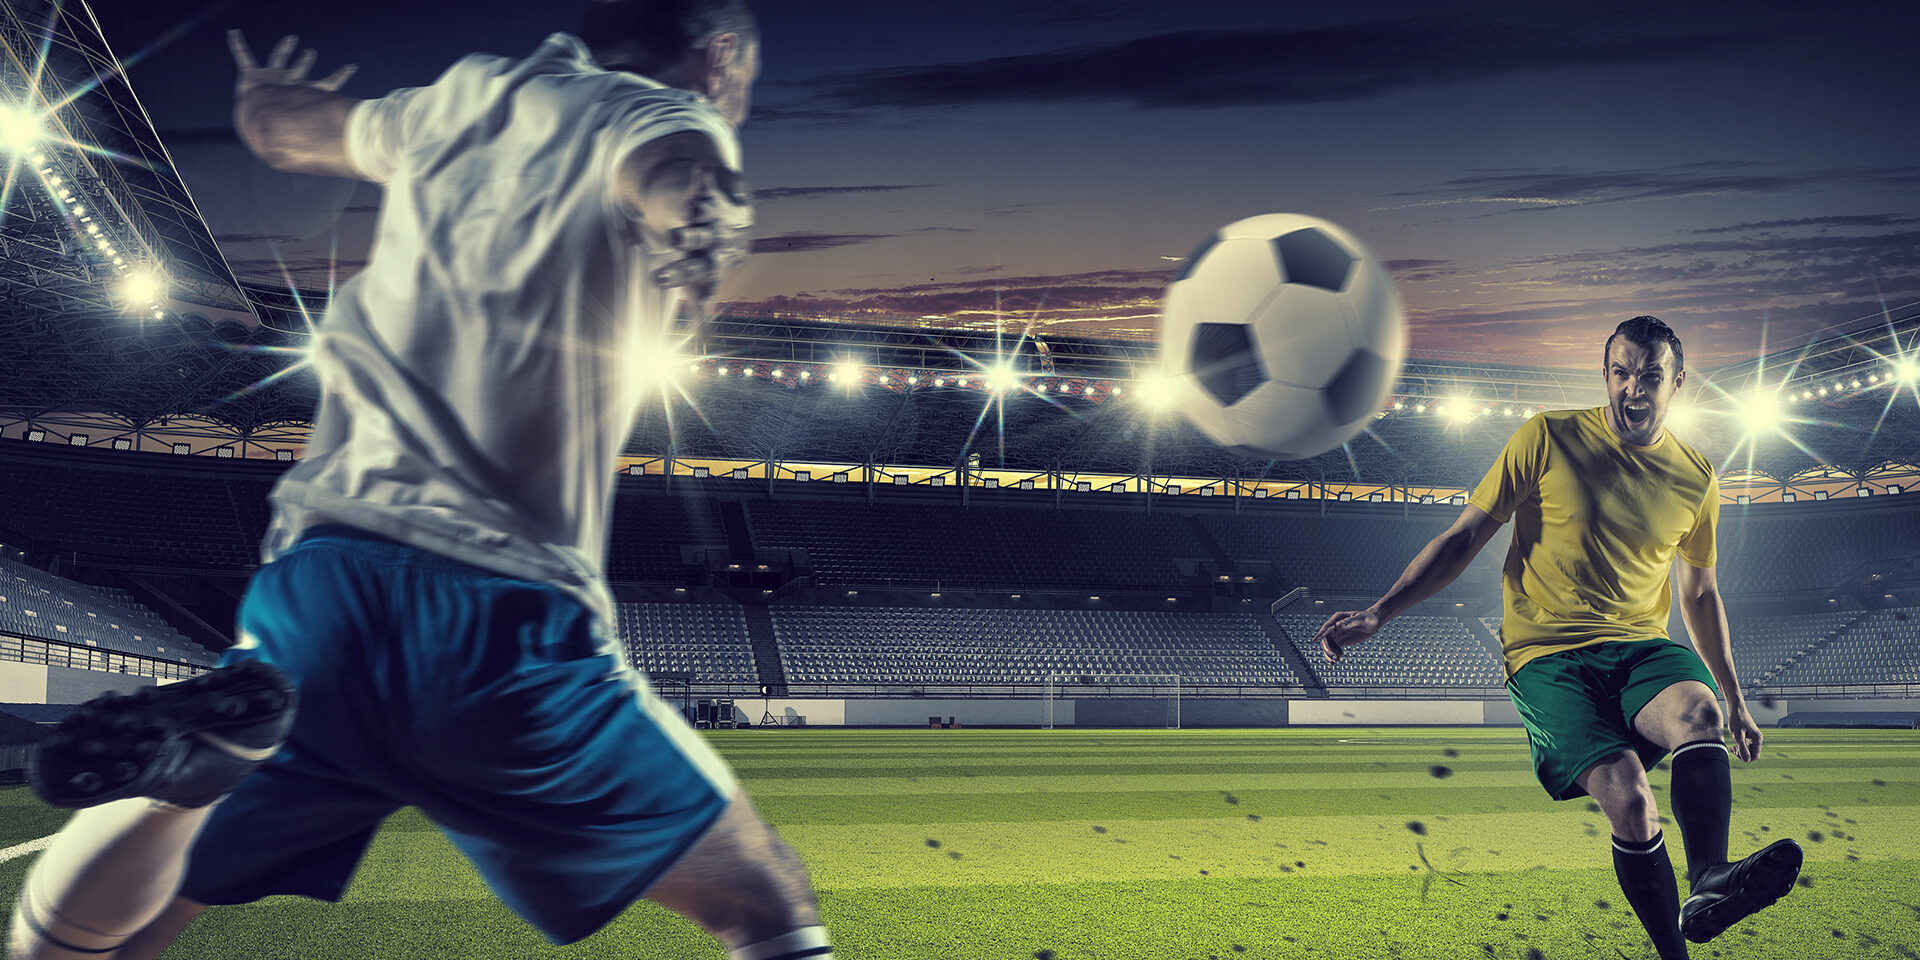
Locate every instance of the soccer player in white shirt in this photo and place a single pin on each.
(432, 593)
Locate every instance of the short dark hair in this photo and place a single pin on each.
(1646, 331)
(651, 37)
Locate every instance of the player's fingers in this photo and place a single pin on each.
(693, 237)
(301, 66)
(338, 78)
(237, 43)
(682, 273)
(277, 59)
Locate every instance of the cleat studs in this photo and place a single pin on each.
(91, 748)
(146, 748)
(124, 771)
(123, 724)
(230, 707)
(86, 781)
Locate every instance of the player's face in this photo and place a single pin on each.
(1641, 384)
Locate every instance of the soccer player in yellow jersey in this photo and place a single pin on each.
(1602, 501)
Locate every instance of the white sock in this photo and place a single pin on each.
(806, 943)
(108, 874)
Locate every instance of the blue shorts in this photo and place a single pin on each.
(492, 704)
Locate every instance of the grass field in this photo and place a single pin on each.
(1405, 843)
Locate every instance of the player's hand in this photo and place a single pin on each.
(716, 238)
(1344, 629)
(1746, 734)
(277, 72)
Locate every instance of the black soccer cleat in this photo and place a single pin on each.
(187, 743)
(1732, 892)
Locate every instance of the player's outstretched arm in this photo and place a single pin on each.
(289, 122)
(1438, 564)
(1706, 617)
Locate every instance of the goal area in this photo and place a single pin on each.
(1161, 687)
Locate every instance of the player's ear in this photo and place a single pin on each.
(720, 70)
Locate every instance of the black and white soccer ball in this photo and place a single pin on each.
(1282, 335)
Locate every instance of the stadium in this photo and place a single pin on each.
(1020, 661)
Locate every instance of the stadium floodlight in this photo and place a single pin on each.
(1908, 370)
(1001, 377)
(847, 370)
(143, 288)
(1760, 411)
(912, 380)
(939, 381)
(20, 129)
(658, 364)
(1155, 389)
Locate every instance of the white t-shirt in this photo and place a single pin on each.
(475, 377)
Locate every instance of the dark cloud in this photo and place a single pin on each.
(944, 230)
(1536, 188)
(1861, 220)
(194, 136)
(255, 238)
(267, 269)
(361, 208)
(1012, 209)
(1098, 298)
(810, 193)
(1416, 271)
(1240, 67)
(804, 242)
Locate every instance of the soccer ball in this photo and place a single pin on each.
(1282, 334)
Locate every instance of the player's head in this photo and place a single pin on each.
(1643, 367)
(711, 46)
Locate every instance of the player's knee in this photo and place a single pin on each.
(1634, 816)
(1704, 719)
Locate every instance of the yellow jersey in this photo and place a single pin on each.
(1597, 522)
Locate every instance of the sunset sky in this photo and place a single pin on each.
(1532, 172)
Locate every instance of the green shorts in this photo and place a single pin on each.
(1579, 705)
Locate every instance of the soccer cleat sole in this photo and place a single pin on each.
(119, 746)
(1767, 878)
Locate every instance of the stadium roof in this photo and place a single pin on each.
(98, 192)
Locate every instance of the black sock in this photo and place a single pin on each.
(1646, 877)
(1702, 803)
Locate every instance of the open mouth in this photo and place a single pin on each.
(1637, 413)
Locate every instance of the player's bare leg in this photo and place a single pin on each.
(112, 870)
(1640, 861)
(145, 770)
(1686, 719)
(748, 888)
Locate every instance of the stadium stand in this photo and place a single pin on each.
(1797, 550)
(649, 530)
(182, 515)
(38, 604)
(937, 645)
(1344, 552)
(704, 641)
(855, 543)
(1883, 647)
(1411, 651)
(1765, 645)
(154, 519)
